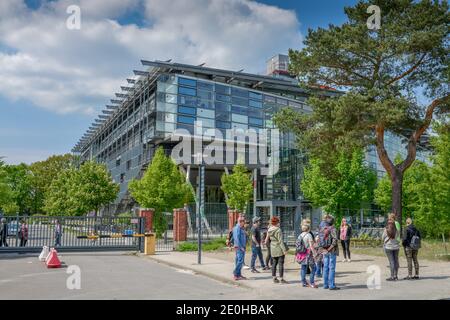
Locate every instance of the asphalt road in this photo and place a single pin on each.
(106, 275)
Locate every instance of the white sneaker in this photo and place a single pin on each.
(345, 260)
(246, 267)
(349, 260)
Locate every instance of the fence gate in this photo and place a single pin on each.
(114, 233)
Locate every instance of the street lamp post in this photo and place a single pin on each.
(201, 204)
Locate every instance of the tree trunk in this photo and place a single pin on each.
(397, 188)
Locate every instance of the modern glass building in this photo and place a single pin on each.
(170, 96)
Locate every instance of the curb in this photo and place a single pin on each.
(201, 272)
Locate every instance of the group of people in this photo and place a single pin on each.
(317, 252)
(22, 233)
(392, 241)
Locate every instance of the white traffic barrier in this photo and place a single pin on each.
(44, 253)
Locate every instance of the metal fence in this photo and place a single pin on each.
(42, 232)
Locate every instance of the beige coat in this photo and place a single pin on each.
(277, 246)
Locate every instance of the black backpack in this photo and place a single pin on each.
(415, 241)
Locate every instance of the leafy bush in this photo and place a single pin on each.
(212, 245)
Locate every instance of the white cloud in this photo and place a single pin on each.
(78, 70)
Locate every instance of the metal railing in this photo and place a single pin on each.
(42, 231)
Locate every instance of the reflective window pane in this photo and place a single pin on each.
(186, 120)
(222, 89)
(187, 110)
(187, 82)
(187, 91)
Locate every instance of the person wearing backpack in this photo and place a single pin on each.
(328, 244)
(411, 243)
(304, 255)
(278, 250)
(391, 248)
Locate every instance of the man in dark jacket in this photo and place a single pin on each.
(3, 233)
(410, 252)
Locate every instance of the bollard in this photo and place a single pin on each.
(150, 244)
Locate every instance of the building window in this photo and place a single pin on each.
(239, 110)
(186, 120)
(223, 125)
(221, 97)
(122, 177)
(187, 101)
(205, 86)
(117, 162)
(187, 82)
(187, 91)
(128, 164)
(239, 101)
(255, 121)
(204, 95)
(256, 113)
(255, 104)
(222, 89)
(187, 110)
(254, 95)
(239, 92)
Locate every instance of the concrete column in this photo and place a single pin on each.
(180, 225)
(148, 215)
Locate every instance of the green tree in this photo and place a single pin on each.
(7, 203)
(18, 177)
(162, 188)
(413, 189)
(59, 197)
(43, 174)
(383, 72)
(79, 191)
(352, 184)
(238, 187)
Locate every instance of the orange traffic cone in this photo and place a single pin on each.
(53, 260)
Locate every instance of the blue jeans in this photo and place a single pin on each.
(329, 269)
(257, 252)
(318, 268)
(311, 275)
(239, 262)
(58, 240)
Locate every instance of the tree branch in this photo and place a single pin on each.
(415, 136)
(404, 74)
(382, 153)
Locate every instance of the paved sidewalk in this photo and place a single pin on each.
(351, 277)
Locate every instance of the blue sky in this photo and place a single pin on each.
(55, 81)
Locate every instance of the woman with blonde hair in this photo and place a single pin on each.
(345, 234)
(305, 255)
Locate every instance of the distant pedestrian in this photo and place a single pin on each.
(23, 233)
(278, 250)
(411, 243)
(256, 245)
(328, 243)
(3, 232)
(391, 248)
(239, 241)
(345, 234)
(58, 233)
(305, 253)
